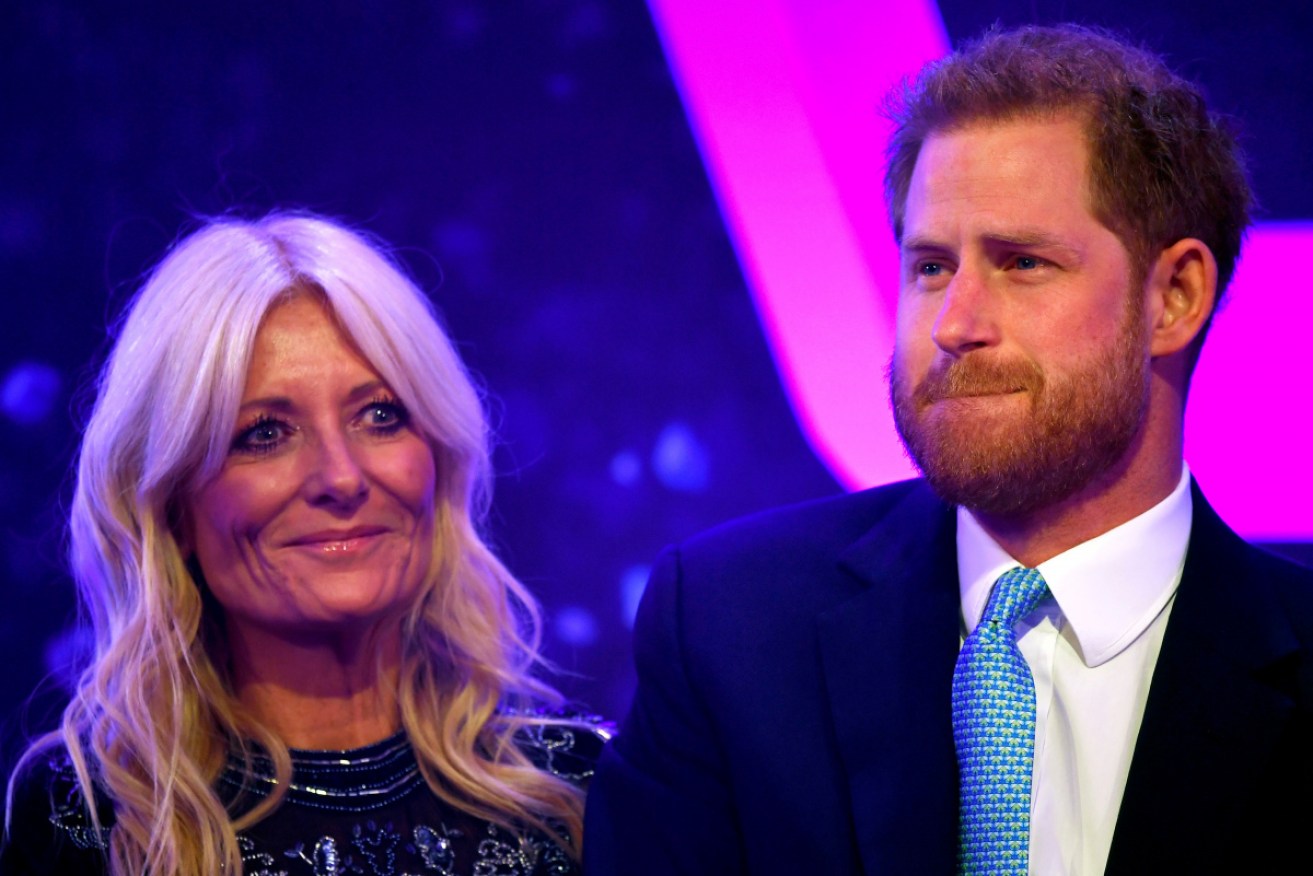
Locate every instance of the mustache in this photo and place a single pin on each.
(963, 378)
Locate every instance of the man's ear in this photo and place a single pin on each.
(1181, 292)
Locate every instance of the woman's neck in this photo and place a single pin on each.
(329, 693)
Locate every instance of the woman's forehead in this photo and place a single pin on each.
(301, 340)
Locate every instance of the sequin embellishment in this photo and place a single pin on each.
(368, 812)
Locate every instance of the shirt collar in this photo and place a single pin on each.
(1109, 589)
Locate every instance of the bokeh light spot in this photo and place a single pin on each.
(680, 459)
(67, 652)
(626, 468)
(29, 392)
(575, 625)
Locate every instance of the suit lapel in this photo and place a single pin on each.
(887, 656)
(1216, 708)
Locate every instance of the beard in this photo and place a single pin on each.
(1012, 463)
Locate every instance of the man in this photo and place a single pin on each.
(810, 686)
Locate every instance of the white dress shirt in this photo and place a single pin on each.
(1091, 649)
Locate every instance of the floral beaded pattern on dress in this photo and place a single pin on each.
(377, 850)
(69, 809)
(368, 812)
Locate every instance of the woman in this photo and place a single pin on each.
(306, 659)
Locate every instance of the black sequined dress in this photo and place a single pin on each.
(363, 812)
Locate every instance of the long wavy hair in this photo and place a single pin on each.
(153, 717)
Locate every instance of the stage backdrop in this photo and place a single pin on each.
(535, 166)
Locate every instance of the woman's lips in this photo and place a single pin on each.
(339, 542)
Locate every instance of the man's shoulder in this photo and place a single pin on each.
(1280, 568)
(1288, 580)
(1214, 542)
(1219, 555)
(829, 523)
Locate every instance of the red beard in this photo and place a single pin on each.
(1010, 457)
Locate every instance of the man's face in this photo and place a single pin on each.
(1019, 373)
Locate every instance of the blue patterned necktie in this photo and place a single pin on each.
(994, 728)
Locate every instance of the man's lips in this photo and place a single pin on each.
(974, 378)
(974, 393)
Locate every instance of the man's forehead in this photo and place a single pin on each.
(1080, 113)
(1071, 128)
(1013, 178)
(1067, 125)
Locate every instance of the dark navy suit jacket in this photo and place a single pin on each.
(793, 705)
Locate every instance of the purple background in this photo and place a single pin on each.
(533, 165)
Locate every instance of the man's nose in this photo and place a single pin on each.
(967, 317)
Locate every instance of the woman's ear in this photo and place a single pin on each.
(1181, 294)
(194, 569)
(180, 526)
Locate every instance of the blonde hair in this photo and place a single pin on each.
(153, 718)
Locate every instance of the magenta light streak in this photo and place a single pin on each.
(782, 96)
(1248, 422)
(782, 99)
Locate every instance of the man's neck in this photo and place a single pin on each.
(1109, 502)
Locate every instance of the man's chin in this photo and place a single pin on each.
(982, 481)
(993, 494)
(977, 425)
(986, 457)
(1006, 473)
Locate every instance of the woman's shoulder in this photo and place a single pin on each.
(49, 828)
(565, 743)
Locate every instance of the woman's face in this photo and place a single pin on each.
(321, 519)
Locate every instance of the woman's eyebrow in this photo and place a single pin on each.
(283, 403)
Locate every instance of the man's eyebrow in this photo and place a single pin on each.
(922, 244)
(1029, 237)
(1022, 237)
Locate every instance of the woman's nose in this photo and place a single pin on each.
(336, 478)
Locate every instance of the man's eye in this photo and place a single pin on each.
(1027, 263)
(930, 269)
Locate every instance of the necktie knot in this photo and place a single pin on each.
(1015, 595)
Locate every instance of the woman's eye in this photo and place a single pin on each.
(260, 437)
(385, 416)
